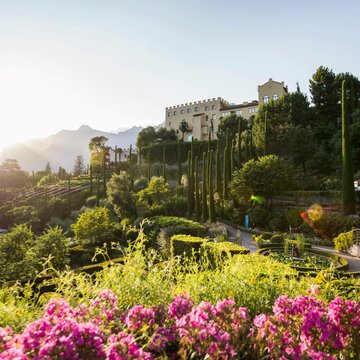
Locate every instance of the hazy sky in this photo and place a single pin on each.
(115, 64)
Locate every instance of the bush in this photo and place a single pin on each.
(132, 234)
(343, 241)
(293, 217)
(180, 225)
(185, 245)
(258, 216)
(140, 184)
(91, 201)
(331, 225)
(277, 239)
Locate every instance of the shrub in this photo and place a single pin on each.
(140, 184)
(277, 239)
(343, 241)
(93, 225)
(293, 217)
(132, 234)
(180, 225)
(216, 252)
(185, 245)
(91, 201)
(258, 216)
(331, 225)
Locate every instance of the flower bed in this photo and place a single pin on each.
(303, 327)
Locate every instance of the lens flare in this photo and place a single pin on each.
(257, 199)
(315, 212)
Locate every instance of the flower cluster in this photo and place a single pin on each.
(299, 328)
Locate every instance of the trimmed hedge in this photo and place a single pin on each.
(179, 225)
(182, 244)
(224, 248)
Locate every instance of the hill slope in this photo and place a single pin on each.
(62, 148)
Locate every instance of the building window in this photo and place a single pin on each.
(266, 99)
(175, 113)
(188, 110)
(177, 131)
(214, 117)
(169, 113)
(182, 111)
(252, 110)
(275, 96)
(196, 109)
(213, 107)
(206, 108)
(238, 112)
(226, 113)
(169, 123)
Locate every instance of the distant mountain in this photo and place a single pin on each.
(62, 148)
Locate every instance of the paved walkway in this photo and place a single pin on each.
(248, 242)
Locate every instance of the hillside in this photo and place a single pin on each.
(62, 148)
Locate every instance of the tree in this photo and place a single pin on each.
(150, 136)
(79, 166)
(52, 242)
(325, 97)
(93, 225)
(97, 146)
(11, 174)
(48, 168)
(121, 197)
(183, 127)
(348, 191)
(266, 177)
(16, 258)
(300, 145)
(282, 114)
(156, 193)
(231, 123)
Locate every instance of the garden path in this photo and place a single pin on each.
(248, 242)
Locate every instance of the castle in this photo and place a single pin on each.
(203, 117)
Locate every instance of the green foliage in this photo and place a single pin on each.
(185, 245)
(225, 248)
(131, 234)
(230, 123)
(58, 207)
(277, 239)
(150, 136)
(140, 184)
(47, 180)
(180, 225)
(293, 217)
(173, 206)
(91, 201)
(344, 241)
(268, 176)
(348, 191)
(93, 225)
(52, 242)
(27, 214)
(259, 216)
(79, 166)
(205, 209)
(155, 193)
(11, 174)
(120, 196)
(331, 225)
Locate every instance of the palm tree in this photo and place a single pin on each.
(183, 127)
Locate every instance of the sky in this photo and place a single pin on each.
(116, 64)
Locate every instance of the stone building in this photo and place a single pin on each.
(203, 116)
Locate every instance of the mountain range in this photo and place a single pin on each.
(62, 148)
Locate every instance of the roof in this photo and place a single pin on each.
(240, 106)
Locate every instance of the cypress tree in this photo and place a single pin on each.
(205, 214)
(218, 169)
(104, 180)
(45, 197)
(232, 158)
(69, 192)
(208, 164)
(191, 177)
(211, 192)
(140, 158)
(179, 163)
(348, 190)
(228, 155)
(116, 158)
(265, 133)
(225, 174)
(189, 195)
(91, 180)
(130, 169)
(239, 145)
(97, 191)
(164, 163)
(149, 165)
(197, 194)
